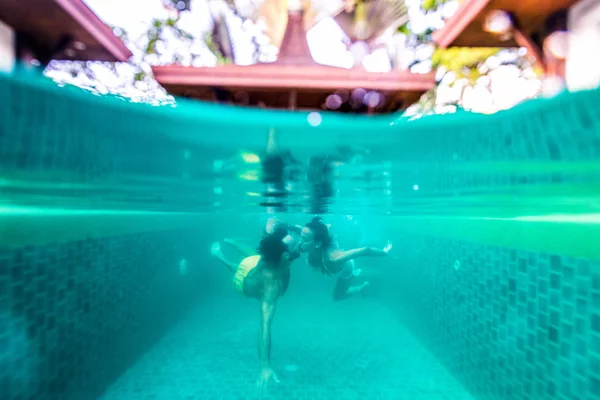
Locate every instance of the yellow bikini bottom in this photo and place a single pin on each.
(247, 265)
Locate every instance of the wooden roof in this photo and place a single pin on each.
(48, 22)
(294, 81)
(465, 27)
(272, 84)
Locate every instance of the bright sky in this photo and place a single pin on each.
(326, 44)
(325, 40)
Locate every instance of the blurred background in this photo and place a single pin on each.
(486, 56)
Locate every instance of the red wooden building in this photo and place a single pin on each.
(296, 82)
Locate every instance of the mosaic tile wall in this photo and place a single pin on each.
(509, 324)
(93, 153)
(74, 316)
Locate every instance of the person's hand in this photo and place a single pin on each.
(270, 226)
(388, 247)
(266, 375)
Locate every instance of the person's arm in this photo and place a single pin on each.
(267, 312)
(344, 256)
(273, 223)
(272, 147)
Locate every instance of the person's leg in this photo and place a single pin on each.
(218, 254)
(244, 249)
(347, 285)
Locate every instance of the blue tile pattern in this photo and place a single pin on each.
(509, 324)
(322, 350)
(74, 315)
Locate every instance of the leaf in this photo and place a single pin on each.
(425, 36)
(404, 29)
(151, 46)
(458, 58)
(428, 5)
(139, 76)
(432, 5)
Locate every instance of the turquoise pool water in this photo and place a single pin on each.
(108, 210)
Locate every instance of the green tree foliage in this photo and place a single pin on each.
(465, 62)
(148, 49)
(432, 5)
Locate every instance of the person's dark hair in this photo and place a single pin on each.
(320, 231)
(272, 247)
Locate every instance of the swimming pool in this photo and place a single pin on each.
(492, 290)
